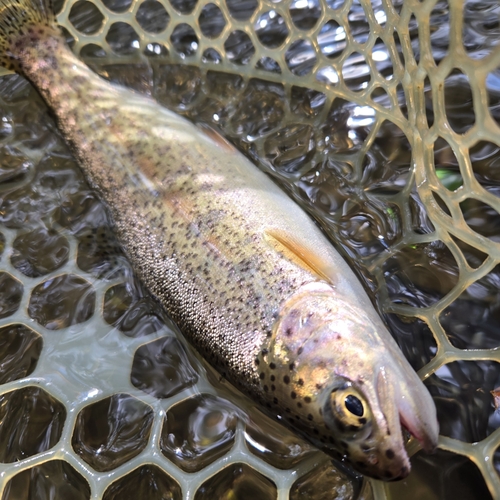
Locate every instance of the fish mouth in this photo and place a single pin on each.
(402, 388)
(406, 405)
(417, 411)
(425, 433)
(426, 442)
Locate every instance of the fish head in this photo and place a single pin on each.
(341, 381)
(370, 415)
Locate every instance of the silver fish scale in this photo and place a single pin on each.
(160, 218)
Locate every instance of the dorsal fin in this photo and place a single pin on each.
(300, 253)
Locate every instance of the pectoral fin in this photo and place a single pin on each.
(300, 253)
(217, 138)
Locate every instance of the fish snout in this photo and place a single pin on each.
(404, 403)
(417, 414)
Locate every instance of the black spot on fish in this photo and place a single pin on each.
(307, 399)
(299, 351)
(266, 388)
(273, 387)
(310, 417)
(293, 395)
(292, 366)
(273, 378)
(272, 366)
(299, 404)
(262, 376)
(389, 454)
(286, 379)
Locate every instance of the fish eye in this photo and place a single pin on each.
(349, 408)
(354, 405)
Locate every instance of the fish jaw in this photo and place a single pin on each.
(417, 414)
(399, 401)
(403, 403)
(416, 408)
(380, 451)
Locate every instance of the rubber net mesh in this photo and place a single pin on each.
(381, 119)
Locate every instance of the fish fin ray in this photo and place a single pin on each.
(217, 138)
(299, 253)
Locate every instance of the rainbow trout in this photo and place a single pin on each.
(248, 277)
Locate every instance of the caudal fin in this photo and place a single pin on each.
(22, 22)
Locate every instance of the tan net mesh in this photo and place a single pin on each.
(381, 119)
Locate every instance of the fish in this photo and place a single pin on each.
(250, 279)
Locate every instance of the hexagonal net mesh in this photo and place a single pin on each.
(381, 119)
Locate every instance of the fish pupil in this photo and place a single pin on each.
(354, 405)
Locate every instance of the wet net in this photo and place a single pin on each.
(381, 119)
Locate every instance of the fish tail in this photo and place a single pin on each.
(22, 24)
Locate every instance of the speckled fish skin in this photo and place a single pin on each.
(245, 273)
